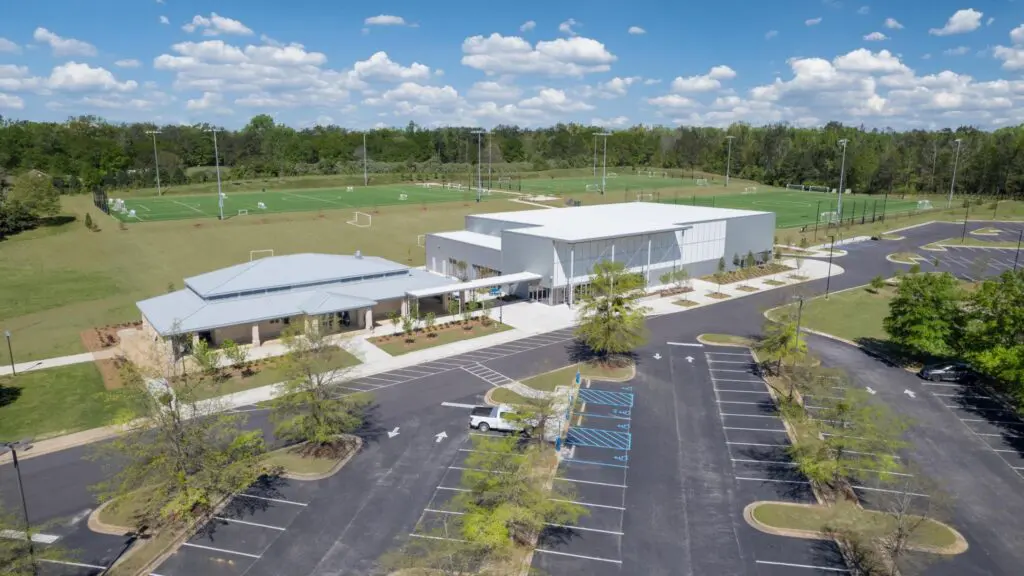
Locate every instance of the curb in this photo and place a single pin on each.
(334, 469)
(99, 527)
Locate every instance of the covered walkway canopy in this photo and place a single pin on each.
(474, 284)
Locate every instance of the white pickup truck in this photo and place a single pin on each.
(500, 418)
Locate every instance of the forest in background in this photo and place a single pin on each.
(87, 151)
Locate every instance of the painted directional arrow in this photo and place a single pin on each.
(689, 359)
(657, 356)
(440, 436)
(393, 433)
(870, 390)
(909, 393)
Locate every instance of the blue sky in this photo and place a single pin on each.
(920, 63)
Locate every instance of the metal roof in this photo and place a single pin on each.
(578, 224)
(513, 278)
(185, 311)
(294, 270)
(474, 238)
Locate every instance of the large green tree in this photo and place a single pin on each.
(35, 191)
(925, 313)
(993, 339)
(611, 318)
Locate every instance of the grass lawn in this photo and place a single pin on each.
(56, 401)
(267, 372)
(567, 376)
(773, 282)
(122, 511)
(396, 345)
(506, 396)
(869, 523)
(294, 462)
(907, 257)
(985, 231)
(971, 241)
(851, 314)
(727, 339)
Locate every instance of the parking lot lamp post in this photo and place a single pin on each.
(952, 184)
(842, 183)
(156, 160)
(10, 352)
(13, 447)
(828, 279)
(1015, 256)
(728, 163)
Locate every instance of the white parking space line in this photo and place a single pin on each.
(381, 379)
(782, 430)
(584, 529)
(224, 550)
(888, 491)
(961, 396)
(457, 405)
(731, 362)
(417, 372)
(728, 354)
(437, 538)
(776, 462)
(742, 391)
(38, 538)
(941, 384)
(588, 504)
(751, 415)
(758, 444)
(725, 370)
(272, 499)
(590, 482)
(450, 489)
(730, 380)
(578, 556)
(694, 344)
(1014, 422)
(808, 566)
(738, 402)
(771, 480)
(236, 521)
(75, 564)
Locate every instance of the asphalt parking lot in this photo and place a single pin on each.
(971, 262)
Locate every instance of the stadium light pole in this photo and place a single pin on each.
(595, 156)
(842, 177)
(489, 182)
(216, 161)
(604, 162)
(156, 160)
(365, 180)
(956, 159)
(479, 183)
(728, 163)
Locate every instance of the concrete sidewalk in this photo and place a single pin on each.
(45, 363)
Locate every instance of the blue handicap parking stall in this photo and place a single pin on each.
(599, 438)
(606, 398)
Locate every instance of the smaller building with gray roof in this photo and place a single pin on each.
(256, 301)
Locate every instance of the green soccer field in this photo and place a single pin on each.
(615, 183)
(249, 204)
(797, 208)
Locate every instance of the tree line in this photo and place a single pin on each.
(86, 151)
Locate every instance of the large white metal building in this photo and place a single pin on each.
(558, 247)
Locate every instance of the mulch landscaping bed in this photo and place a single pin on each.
(718, 295)
(674, 291)
(684, 303)
(747, 288)
(774, 282)
(748, 273)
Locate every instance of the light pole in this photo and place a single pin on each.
(604, 162)
(595, 156)
(956, 159)
(479, 182)
(490, 184)
(828, 280)
(728, 163)
(156, 160)
(216, 161)
(842, 175)
(796, 339)
(13, 447)
(365, 180)
(1015, 257)
(10, 352)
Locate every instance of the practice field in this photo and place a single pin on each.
(616, 183)
(797, 208)
(248, 204)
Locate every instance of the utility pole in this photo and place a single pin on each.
(365, 179)
(956, 159)
(728, 163)
(156, 160)
(479, 183)
(842, 183)
(216, 160)
(604, 163)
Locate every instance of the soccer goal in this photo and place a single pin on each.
(750, 190)
(701, 181)
(818, 188)
(421, 241)
(612, 175)
(795, 187)
(261, 205)
(645, 197)
(504, 180)
(257, 254)
(361, 220)
(243, 212)
(593, 187)
(403, 196)
(349, 188)
(831, 217)
(924, 205)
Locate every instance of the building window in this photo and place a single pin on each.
(485, 272)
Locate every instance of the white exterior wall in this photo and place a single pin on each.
(526, 253)
(491, 226)
(440, 249)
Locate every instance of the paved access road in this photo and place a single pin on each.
(681, 502)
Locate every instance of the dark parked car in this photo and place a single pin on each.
(949, 371)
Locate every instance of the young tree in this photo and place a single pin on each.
(408, 326)
(924, 313)
(206, 357)
(666, 278)
(462, 270)
(736, 262)
(185, 453)
(453, 307)
(485, 312)
(540, 414)
(877, 283)
(766, 256)
(310, 408)
(804, 243)
(912, 504)
(237, 355)
(751, 261)
(395, 319)
(780, 341)
(428, 321)
(611, 318)
(915, 268)
(88, 221)
(681, 278)
(467, 313)
(17, 556)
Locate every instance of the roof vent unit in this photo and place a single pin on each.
(359, 254)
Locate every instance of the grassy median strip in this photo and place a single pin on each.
(725, 340)
(852, 314)
(970, 241)
(906, 257)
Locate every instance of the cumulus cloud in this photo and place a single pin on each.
(164, 20)
(958, 51)
(8, 46)
(771, 34)
(63, 46)
(527, 26)
(703, 83)
(207, 101)
(385, 20)
(11, 102)
(875, 37)
(380, 67)
(216, 25)
(961, 22)
(636, 30)
(864, 10)
(893, 24)
(497, 54)
(672, 101)
(488, 90)
(813, 21)
(616, 122)
(990, 20)
(76, 77)
(567, 27)
(617, 86)
(553, 100)
(128, 63)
